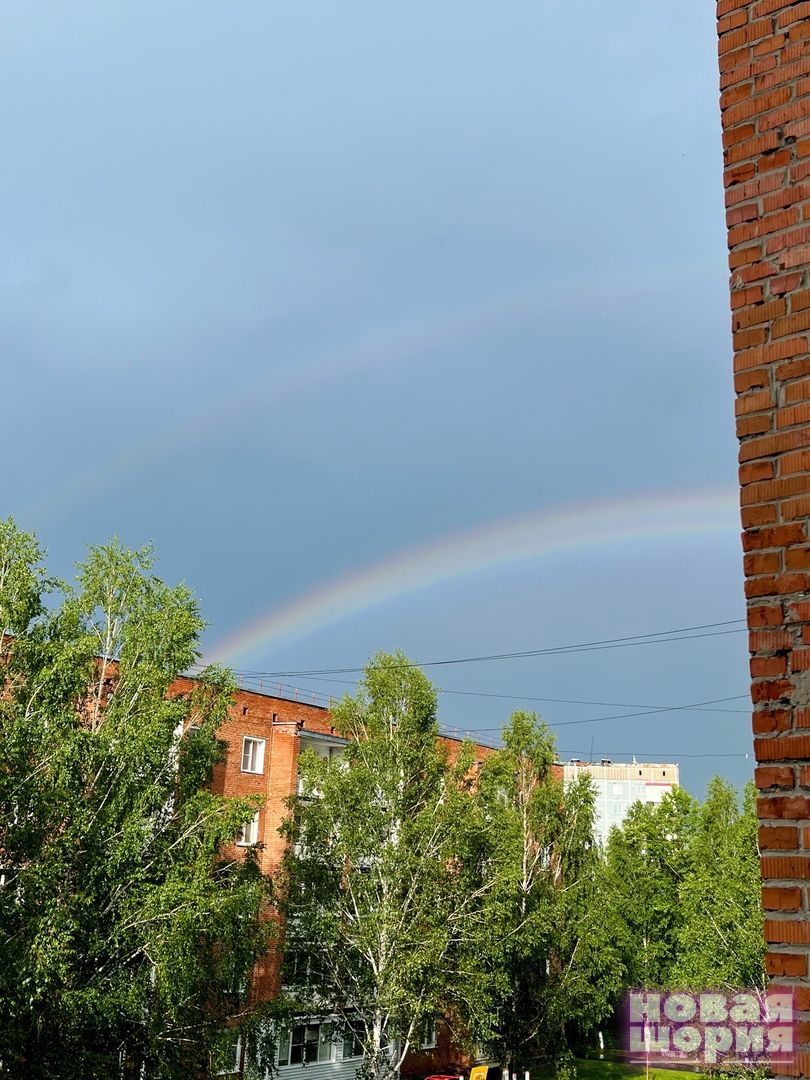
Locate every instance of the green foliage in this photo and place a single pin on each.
(549, 963)
(648, 861)
(381, 885)
(683, 892)
(126, 939)
(720, 938)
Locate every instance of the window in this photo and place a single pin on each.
(353, 1041)
(231, 1059)
(429, 1040)
(250, 833)
(305, 1044)
(252, 755)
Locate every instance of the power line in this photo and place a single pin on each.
(685, 633)
(625, 716)
(653, 753)
(530, 697)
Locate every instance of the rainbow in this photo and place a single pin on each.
(516, 539)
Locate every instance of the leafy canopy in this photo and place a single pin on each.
(126, 936)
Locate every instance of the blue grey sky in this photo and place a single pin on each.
(290, 288)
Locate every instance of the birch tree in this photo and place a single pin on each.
(126, 937)
(384, 881)
(548, 960)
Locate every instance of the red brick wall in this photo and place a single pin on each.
(765, 100)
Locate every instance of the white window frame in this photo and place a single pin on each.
(285, 1045)
(430, 1038)
(250, 832)
(253, 754)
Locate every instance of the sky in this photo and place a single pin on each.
(378, 320)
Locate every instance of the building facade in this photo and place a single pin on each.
(619, 785)
(264, 737)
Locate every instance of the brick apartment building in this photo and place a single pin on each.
(265, 736)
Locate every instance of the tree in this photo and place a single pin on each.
(547, 961)
(720, 942)
(648, 861)
(126, 938)
(683, 891)
(382, 882)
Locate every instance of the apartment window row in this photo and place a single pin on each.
(306, 1044)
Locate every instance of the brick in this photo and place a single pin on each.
(793, 369)
(796, 391)
(761, 586)
(764, 105)
(783, 115)
(769, 641)
(767, 667)
(753, 425)
(791, 324)
(771, 690)
(796, 508)
(778, 838)
(745, 35)
(770, 44)
(782, 748)
(745, 257)
(758, 470)
(768, 446)
(787, 932)
(768, 776)
(800, 660)
(800, 611)
(784, 807)
(781, 285)
(754, 294)
(782, 241)
(799, 256)
(782, 487)
(793, 13)
(795, 414)
(750, 148)
(754, 516)
(797, 558)
(766, 615)
(754, 379)
(739, 174)
(785, 867)
(771, 721)
(790, 964)
(791, 195)
(766, 354)
(754, 401)
(781, 898)
(775, 536)
(738, 92)
(732, 21)
(769, 562)
(774, 159)
(783, 73)
(744, 339)
(760, 313)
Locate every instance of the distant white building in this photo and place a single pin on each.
(618, 786)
